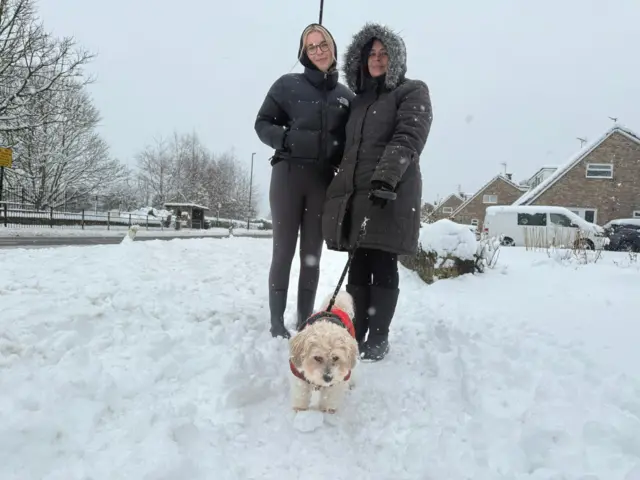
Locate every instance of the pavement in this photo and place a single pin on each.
(57, 241)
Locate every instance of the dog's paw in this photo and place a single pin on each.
(300, 409)
(329, 410)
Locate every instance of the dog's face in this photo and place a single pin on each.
(324, 352)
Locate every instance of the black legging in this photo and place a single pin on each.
(374, 267)
(296, 196)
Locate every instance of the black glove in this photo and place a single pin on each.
(381, 193)
(285, 147)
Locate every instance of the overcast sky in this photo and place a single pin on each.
(511, 81)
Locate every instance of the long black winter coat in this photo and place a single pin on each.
(303, 118)
(387, 130)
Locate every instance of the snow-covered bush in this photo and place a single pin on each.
(448, 249)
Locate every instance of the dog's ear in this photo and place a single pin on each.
(352, 353)
(296, 348)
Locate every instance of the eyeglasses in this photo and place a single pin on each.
(313, 48)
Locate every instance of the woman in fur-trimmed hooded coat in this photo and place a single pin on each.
(388, 126)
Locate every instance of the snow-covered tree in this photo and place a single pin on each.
(32, 65)
(60, 157)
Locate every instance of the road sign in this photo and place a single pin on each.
(6, 157)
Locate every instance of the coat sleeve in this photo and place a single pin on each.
(272, 118)
(413, 123)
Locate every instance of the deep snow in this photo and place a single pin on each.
(152, 361)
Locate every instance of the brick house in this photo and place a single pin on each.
(500, 190)
(600, 183)
(446, 207)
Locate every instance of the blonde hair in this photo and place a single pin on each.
(322, 31)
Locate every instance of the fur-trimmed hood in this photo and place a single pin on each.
(395, 48)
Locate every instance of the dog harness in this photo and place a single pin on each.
(337, 316)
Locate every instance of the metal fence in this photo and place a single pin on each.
(25, 198)
(18, 216)
(94, 212)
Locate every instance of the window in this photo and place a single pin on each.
(447, 210)
(599, 170)
(490, 199)
(532, 219)
(590, 216)
(561, 220)
(475, 222)
(636, 214)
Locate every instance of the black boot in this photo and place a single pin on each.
(306, 301)
(277, 305)
(361, 299)
(383, 307)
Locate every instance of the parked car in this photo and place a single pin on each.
(541, 227)
(624, 239)
(618, 223)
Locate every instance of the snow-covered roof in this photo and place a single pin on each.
(185, 205)
(447, 199)
(574, 160)
(484, 187)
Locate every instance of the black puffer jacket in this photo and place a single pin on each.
(303, 117)
(387, 130)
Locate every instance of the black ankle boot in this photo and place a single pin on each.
(306, 301)
(361, 299)
(383, 307)
(277, 305)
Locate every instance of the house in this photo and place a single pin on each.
(537, 178)
(600, 183)
(500, 190)
(446, 207)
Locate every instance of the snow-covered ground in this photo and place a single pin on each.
(152, 361)
(121, 231)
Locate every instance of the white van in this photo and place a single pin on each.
(541, 227)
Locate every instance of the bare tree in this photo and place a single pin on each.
(126, 194)
(62, 160)
(32, 63)
(183, 169)
(157, 171)
(192, 161)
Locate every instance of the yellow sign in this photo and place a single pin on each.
(6, 157)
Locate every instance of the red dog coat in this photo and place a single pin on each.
(337, 316)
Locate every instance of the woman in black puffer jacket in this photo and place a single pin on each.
(303, 118)
(387, 130)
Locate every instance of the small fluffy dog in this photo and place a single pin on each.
(322, 355)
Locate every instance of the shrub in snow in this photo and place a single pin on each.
(448, 249)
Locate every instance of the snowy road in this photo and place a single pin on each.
(44, 238)
(152, 361)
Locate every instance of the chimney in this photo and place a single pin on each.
(509, 176)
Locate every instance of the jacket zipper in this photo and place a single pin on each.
(323, 120)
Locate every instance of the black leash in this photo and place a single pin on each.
(361, 234)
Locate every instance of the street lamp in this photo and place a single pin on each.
(250, 190)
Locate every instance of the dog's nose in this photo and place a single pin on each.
(327, 378)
